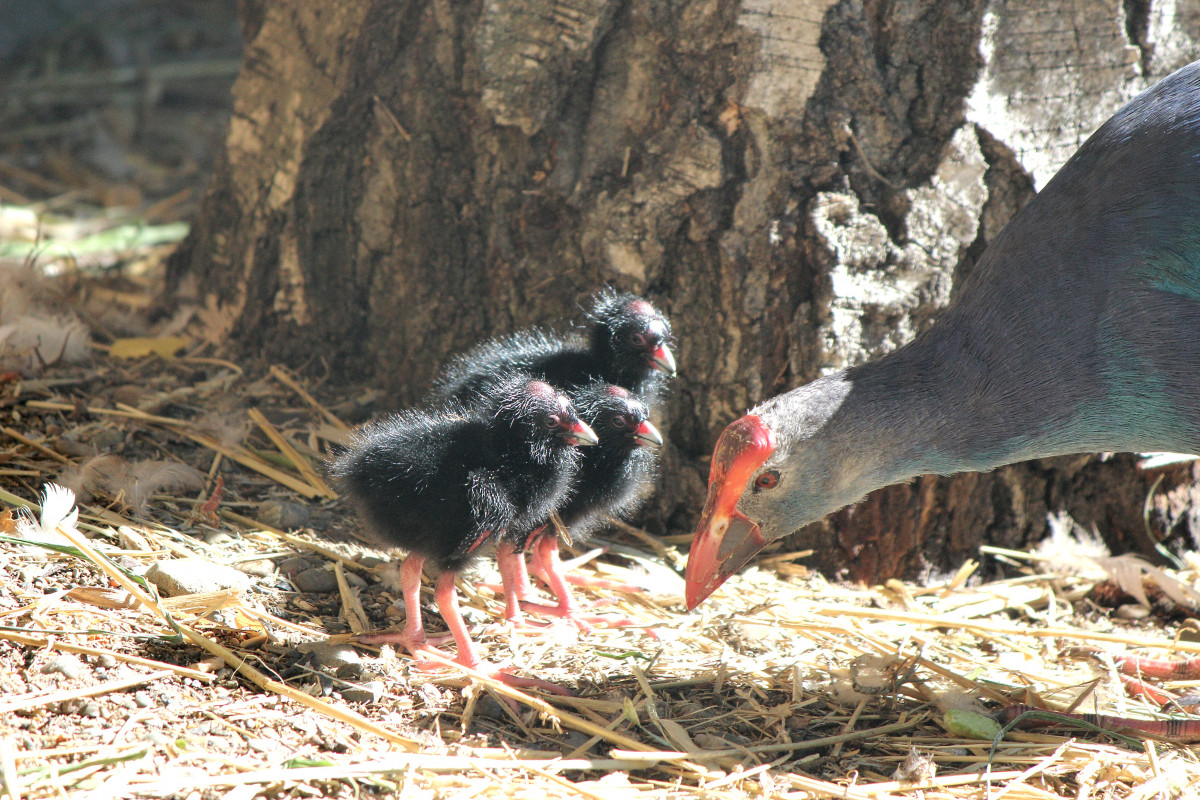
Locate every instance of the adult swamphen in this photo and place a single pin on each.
(439, 483)
(1078, 330)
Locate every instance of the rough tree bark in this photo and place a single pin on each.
(798, 183)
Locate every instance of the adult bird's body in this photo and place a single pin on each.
(440, 483)
(1078, 330)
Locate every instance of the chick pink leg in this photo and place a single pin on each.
(518, 591)
(551, 571)
(413, 637)
(585, 581)
(468, 654)
(515, 579)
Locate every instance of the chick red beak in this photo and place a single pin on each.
(579, 433)
(662, 360)
(726, 539)
(647, 435)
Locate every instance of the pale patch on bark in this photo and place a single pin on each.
(270, 128)
(624, 230)
(944, 213)
(290, 301)
(623, 258)
(789, 60)
(376, 213)
(1053, 73)
(526, 49)
(1172, 34)
(881, 291)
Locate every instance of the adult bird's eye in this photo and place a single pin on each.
(768, 480)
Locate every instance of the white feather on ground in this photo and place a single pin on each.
(1075, 550)
(58, 508)
(36, 327)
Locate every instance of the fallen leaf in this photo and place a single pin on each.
(136, 347)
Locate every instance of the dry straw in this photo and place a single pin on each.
(781, 685)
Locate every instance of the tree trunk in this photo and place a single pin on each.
(799, 185)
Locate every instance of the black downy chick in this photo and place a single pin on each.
(614, 479)
(440, 483)
(626, 344)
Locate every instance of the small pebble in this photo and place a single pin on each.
(330, 656)
(143, 700)
(283, 514)
(315, 580)
(68, 666)
(259, 568)
(130, 394)
(1132, 611)
(106, 661)
(710, 741)
(350, 672)
(73, 447)
(295, 564)
(575, 739)
(179, 576)
(489, 707)
(218, 537)
(107, 439)
(90, 709)
(369, 692)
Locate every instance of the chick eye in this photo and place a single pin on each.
(768, 480)
(638, 339)
(620, 423)
(553, 422)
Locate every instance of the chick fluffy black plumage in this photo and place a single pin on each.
(613, 479)
(626, 343)
(617, 476)
(440, 482)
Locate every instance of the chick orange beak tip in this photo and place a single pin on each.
(580, 434)
(662, 360)
(648, 435)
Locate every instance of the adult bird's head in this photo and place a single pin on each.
(773, 471)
